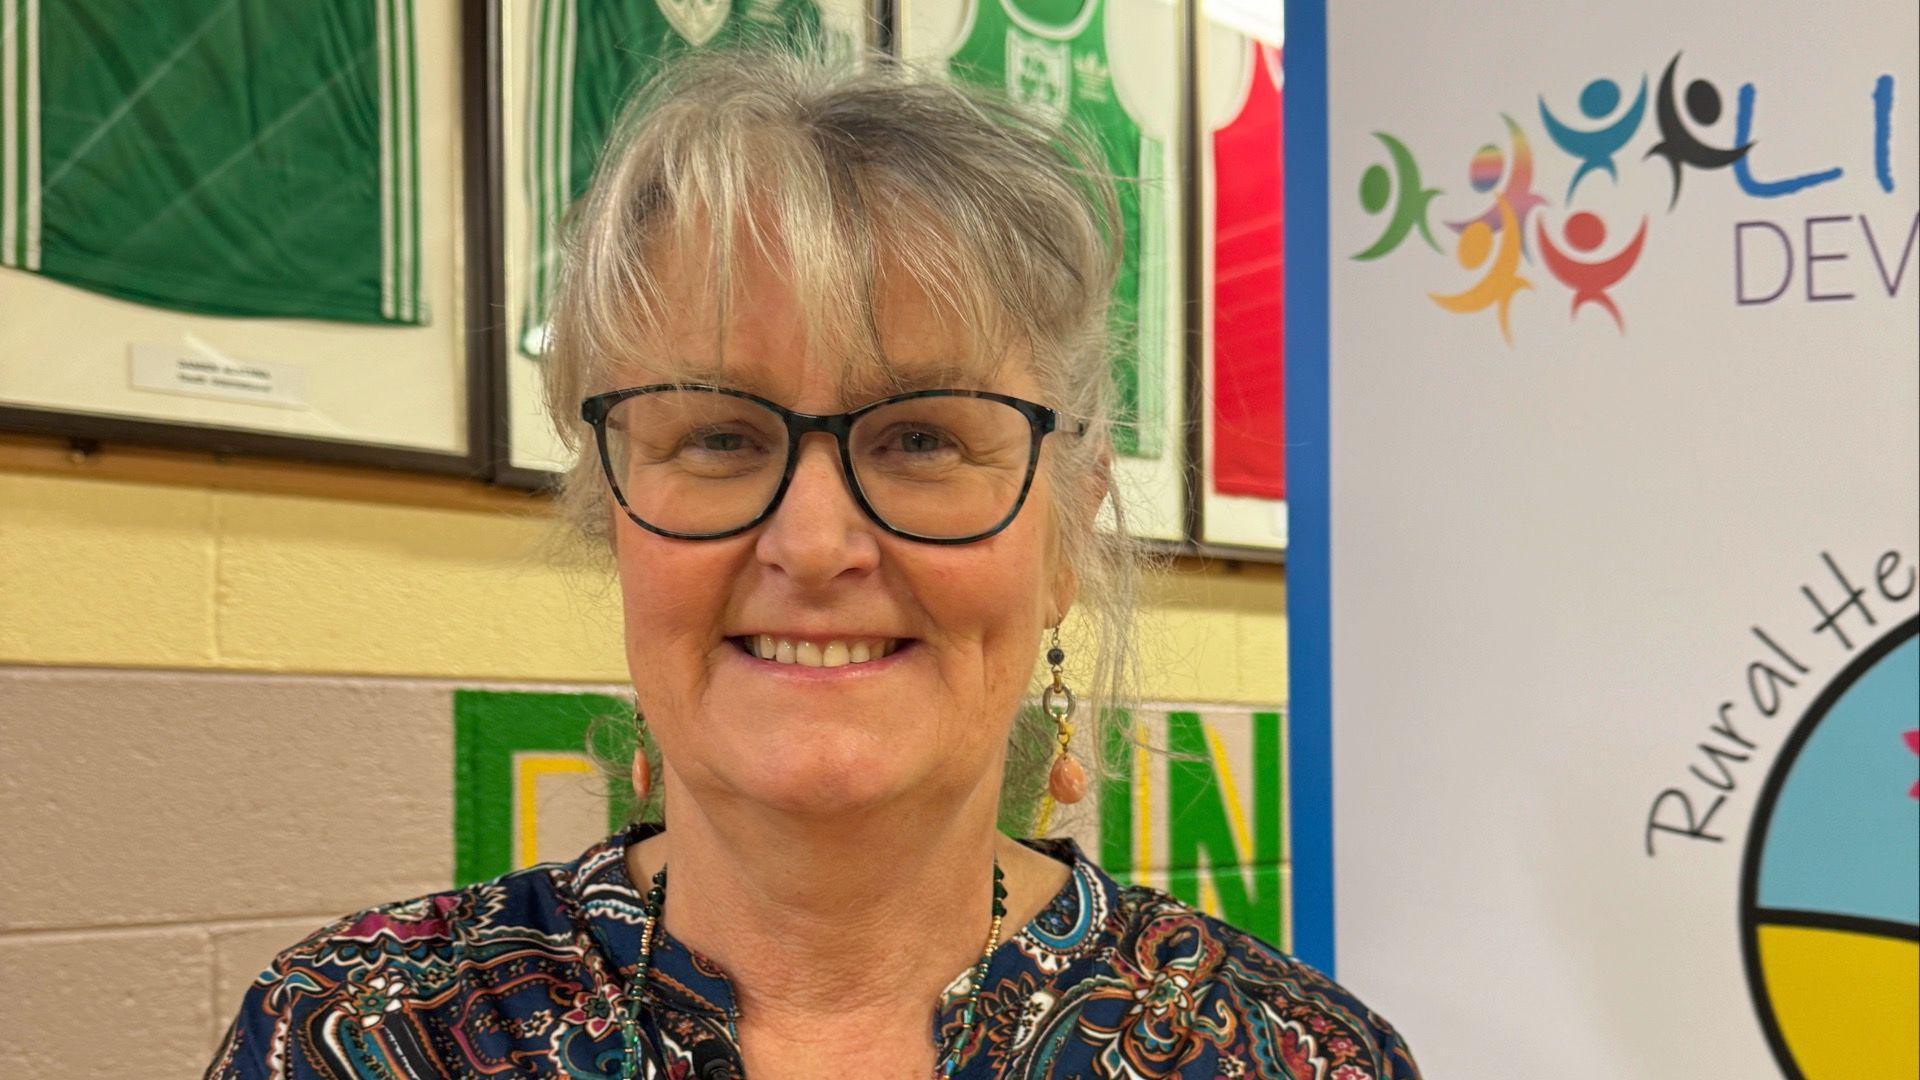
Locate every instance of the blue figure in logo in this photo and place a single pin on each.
(1596, 148)
(1678, 144)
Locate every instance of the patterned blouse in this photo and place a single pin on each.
(522, 976)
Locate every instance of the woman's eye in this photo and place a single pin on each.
(920, 442)
(716, 442)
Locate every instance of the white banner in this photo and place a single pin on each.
(1624, 335)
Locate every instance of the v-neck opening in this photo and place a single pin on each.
(681, 977)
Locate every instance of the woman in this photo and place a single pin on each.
(832, 350)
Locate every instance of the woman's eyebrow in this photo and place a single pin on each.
(701, 373)
(866, 385)
(696, 372)
(858, 386)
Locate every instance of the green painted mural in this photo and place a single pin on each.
(509, 750)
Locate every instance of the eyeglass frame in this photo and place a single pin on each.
(1041, 422)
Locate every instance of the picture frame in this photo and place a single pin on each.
(403, 387)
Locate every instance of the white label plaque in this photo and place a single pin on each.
(202, 372)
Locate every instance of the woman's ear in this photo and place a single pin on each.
(1066, 584)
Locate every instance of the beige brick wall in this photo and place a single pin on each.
(169, 831)
(106, 1002)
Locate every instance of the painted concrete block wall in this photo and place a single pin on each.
(225, 717)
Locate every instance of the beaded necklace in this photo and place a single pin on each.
(650, 918)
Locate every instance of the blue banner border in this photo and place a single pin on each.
(1309, 588)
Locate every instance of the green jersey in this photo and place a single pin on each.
(231, 157)
(585, 59)
(1056, 63)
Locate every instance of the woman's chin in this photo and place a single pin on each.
(804, 785)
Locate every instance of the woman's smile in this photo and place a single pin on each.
(820, 659)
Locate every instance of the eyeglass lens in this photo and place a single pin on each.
(698, 462)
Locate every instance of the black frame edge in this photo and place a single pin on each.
(485, 234)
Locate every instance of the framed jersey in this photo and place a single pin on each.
(235, 226)
(1112, 67)
(1239, 84)
(567, 66)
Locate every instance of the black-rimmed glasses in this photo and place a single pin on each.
(697, 462)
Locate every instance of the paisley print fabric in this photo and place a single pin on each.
(521, 976)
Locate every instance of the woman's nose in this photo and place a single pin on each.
(818, 532)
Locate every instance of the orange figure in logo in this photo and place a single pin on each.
(1503, 279)
(1591, 280)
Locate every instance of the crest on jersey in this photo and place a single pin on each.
(697, 20)
(1038, 73)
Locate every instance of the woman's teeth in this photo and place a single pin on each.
(835, 653)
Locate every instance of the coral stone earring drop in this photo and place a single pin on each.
(1066, 780)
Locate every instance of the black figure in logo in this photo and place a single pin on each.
(1677, 142)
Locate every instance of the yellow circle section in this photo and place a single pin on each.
(1848, 1004)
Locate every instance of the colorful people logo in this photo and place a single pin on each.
(1497, 234)
(1830, 890)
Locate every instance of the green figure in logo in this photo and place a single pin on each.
(1376, 189)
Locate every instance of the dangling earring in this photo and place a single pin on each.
(1066, 780)
(642, 768)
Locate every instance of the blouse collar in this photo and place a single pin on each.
(1072, 925)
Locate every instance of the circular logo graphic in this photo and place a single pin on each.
(1830, 890)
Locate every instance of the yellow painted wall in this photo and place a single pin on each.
(133, 558)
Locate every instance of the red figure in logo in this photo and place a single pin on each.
(1591, 280)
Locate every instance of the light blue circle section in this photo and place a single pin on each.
(1844, 836)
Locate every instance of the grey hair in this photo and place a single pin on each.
(844, 172)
